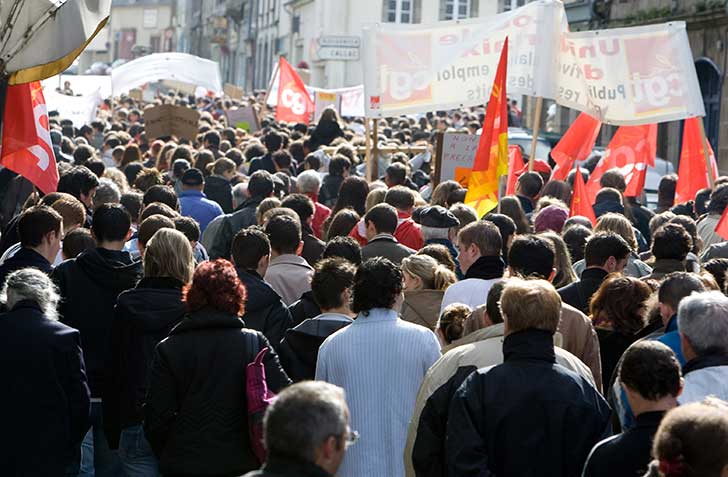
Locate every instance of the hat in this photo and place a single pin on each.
(437, 217)
(193, 177)
(551, 217)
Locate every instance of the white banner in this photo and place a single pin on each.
(167, 66)
(79, 109)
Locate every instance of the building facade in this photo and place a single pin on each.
(140, 27)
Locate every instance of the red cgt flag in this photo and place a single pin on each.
(294, 103)
(580, 204)
(26, 143)
(692, 174)
(575, 145)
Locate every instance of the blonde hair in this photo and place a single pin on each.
(620, 225)
(545, 201)
(452, 321)
(221, 166)
(264, 206)
(530, 304)
(169, 254)
(434, 276)
(118, 178)
(374, 197)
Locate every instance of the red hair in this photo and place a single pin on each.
(215, 284)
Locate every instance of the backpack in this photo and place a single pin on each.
(259, 398)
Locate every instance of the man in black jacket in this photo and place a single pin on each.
(650, 376)
(604, 253)
(272, 142)
(90, 285)
(529, 416)
(264, 309)
(260, 187)
(381, 223)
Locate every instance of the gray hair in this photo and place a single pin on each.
(434, 233)
(239, 194)
(302, 417)
(703, 319)
(107, 193)
(34, 285)
(308, 182)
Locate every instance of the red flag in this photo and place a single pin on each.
(515, 164)
(580, 204)
(631, 150)
(294, 103)
(692, 174)
(722, 227)
(575, 145)
(26, 143)
(491, 158)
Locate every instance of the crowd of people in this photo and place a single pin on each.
(249, 304)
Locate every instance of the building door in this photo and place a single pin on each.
(127, 41)
(711, 84)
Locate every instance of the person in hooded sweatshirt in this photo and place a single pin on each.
(90, 285)
(143, 317)
(331, 286)
(264, 309)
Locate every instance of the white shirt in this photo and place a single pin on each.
(471, 291)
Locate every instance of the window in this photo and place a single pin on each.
(509, 5)
(401, 11)
(458, 9)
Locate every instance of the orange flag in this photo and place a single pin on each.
(692, 174)
(575, 145)
(491, 158)
(294, 102)
(580, 204)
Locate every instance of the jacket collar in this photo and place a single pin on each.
(251, 202)
(167, 283)
(285, 465)
(671, 324)
(376, 314)
(529, 345)
(594, 273)
(26, 304)
(192, 193)
(30, 255)
(384, 237)
(489, 332)
(289, 259)
(207, 318)
(709, 360)
(668, 265)
(486, 268)
(649, 419)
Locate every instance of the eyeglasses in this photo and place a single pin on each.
(351, 438)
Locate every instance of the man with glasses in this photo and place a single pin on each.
(306, 432)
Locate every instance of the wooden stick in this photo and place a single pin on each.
(706, 154)
(367, 148)
(536, 127)
(374, 163)
(270, 83)
(438, 160)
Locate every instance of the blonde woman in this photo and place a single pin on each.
(143, 317)
(425, 281)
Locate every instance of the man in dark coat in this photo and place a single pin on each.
(272, 142)
(604, 253)
(90, 285)
(264, 309)
(40, 230)
(528, 416)
(313, 248)
(650, 376)
(338, 171)
(306, 432)
(380, 223)
(260, 187)
(46, 404)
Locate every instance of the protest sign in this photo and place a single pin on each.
(170, 120)
(322, 100)
(455, 159)
(232, 91)
(136, 94)
(243, 118)
(80, 110)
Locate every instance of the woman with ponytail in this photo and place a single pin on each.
(425, 281)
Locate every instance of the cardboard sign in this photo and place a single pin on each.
(458, 152)
(243, 118)
(170, 120)
(136, 94)
(234, 92)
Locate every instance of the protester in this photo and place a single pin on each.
(386, 376)
(380, 225)
(425, 282)
(706, 225)
(528, 187)
(288, 273)
(309, 183)
(194, 414)
(46, 404)
(673, 290)
(193, 202)
(451, 324)
(511, 207)
(670, 248)
(303, 206)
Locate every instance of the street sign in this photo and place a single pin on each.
(340, 41)
(338, 53)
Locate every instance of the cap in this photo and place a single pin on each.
(437, 216)
(193, 177)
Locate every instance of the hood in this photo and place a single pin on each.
(155, 304)
(112, 270)
(602, 208)
(216, 182)
(423, 303)
(306, 338)
(493, 331)
(260, 295)
(207, 318)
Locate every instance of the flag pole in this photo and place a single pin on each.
(373, 164)
(270, 83)
(368, 150)
(536, 127)
(706, 154)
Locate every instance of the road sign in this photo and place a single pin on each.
(340, 41)
(337, 53)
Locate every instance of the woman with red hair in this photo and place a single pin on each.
(195, 413)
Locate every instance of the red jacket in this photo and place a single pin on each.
(320, 215)
(408, 233)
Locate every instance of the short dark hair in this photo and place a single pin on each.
(189, 227)
(384, 218)
(37, 222)
(83, 153)
(248, 247)
(213, 138)
(157, 208)
(506, 227)
(400, 197)
(344, 247)
(96, 166)
(532, 256)
(77, 241)
(331, 277)
(651, 369)
(300, 204)
(613, 178)
(718, 268)
(284, 233)
(666, 189)
(151, 225)
(603, 245)
(440, 253)
(78, 180)
(492, 304)
(339, 164)
(678, 285)
(282, 159)
(530, 183)
(718, 199)
(608, 194)
(111, 223)
(161, 193)
(575, 238)
(671, 241)
(397, 173)
(261, 184)
(132, 202)
(377, 284)
(272, 141)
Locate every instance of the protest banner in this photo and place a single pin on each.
(80, 110)
(243, 118)
(170, 120)
(232, 91)
(156, 67)
(324, 99)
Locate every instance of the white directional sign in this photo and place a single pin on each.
(342, 48)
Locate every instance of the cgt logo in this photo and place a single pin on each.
(293, 100)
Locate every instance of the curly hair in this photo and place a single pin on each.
(620, 304)
(216, 285)
(377, 284)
